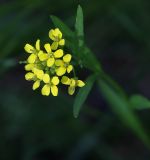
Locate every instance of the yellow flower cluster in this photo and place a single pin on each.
(47, 67)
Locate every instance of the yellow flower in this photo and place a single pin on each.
(50, 85)
(41, 64)
(33, 51)
(72, 84)
(29, 67)
(29, 76)
(50, 56)
(64, 65)
(37, 76)
(56, 36)
(39, 73)
(36, 84)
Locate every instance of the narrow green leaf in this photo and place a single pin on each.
(83, 55)
(82, 95)
(79, 26)
(139, 102)
(89, 59)
(63, 27)
(121, 107)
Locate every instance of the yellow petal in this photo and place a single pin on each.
(32, 58)
(59, 62)
(62, 42)
(80, 83)
(46, 78)
(67, 58)
(35, 70)
(72, 82)
(46, 90)
(61, 71)
(59, 53)
(39, 74)
(47, 47)
(65, 80)
(71, 90)
(40, 53)
(51, 34)
(50, 62)
(69, 68)
(37, 45)
(29, 67)
(29, 76)
(58, 33)
(28, 48)
(54, 45)
(54, 90)
(36, 85)
(42, 56)
(55, 80)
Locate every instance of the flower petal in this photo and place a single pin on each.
(55, 80)
(80, 83)
(42, 56)
(71, 90)
(65, 80)
(59, 62)
(54, 45)
(54, 90)
(35, 70)
(62, 42)
(50, 62)
(32, 58)
(51, 34)
(67, 58)
(37, 45)
(36, 85)
(46, 90)
(59, 53)
(69, 68)
(46, 78)
(61, 71)
(58, 33)
(39, 73)
(28, 48)
(29, 76)
(47, 47)
(72, 82)
(29, 67)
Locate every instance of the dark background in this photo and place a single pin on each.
(33, 127)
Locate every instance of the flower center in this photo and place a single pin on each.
(56, 38)
(66, 65)
(50, 55)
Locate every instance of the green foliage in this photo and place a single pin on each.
(33, 124)
(79, 26)
(83, 94)
(139, 102)
(83, 54)
(112, 92)
(121, 107)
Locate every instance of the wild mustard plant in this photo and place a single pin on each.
(51, 67)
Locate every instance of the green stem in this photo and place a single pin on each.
(74, 73)
(22, 62)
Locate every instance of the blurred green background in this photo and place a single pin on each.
(33, 127)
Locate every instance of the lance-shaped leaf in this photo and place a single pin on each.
(139, 102)
(79, 26)
(121, 107)
(82, 95)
